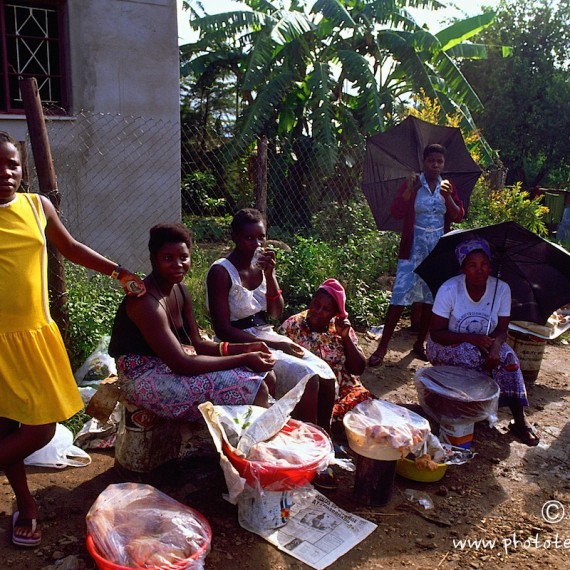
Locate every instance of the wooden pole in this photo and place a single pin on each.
(48, 187)
(261, 177)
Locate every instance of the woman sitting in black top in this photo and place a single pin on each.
(163, 363)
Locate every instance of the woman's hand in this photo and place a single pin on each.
(251, 347)
(342, 326)
(266, 262)
(445, 187)
(492, 360)
(289, 348)
(482, 341)
(413, 186)
(131, 283)
(259, 361)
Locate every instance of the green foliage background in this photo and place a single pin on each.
(344, 243)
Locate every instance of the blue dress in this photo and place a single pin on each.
(430, 210)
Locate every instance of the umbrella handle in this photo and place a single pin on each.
(493, 301)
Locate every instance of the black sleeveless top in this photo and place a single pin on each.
(126, 338)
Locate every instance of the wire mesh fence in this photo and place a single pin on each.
(119, 175)
(286, 181)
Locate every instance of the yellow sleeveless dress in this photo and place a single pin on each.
(36, 382)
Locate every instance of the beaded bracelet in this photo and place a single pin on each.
(273, 297)
(115, 272)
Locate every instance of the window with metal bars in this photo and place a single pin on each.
(33, 46)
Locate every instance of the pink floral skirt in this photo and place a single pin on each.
(147, 382)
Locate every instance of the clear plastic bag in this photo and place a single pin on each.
(456, 395)
(138, 526)
(381, 430)
(97, 366)
(289, 459)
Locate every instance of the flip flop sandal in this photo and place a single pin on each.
(527, 434)
(376, 359)
(26, 541)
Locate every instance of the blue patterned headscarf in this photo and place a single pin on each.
(466, 247)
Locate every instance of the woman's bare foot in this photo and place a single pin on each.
(420, 351)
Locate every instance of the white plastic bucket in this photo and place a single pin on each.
(263, 510)
(460, 435)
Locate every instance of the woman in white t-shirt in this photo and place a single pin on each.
(469, 323)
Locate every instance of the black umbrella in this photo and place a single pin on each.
(395, 154)
(537, 271)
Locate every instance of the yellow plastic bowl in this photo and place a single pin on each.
(407, 468)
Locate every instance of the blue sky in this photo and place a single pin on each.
(434, 19)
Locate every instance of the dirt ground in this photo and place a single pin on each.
(505, 494)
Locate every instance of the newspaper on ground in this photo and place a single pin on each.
(318, 532)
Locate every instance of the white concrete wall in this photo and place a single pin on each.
(117, 156)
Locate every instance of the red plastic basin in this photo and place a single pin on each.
(104, 564)
(276, 477)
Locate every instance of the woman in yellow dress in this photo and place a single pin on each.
(37, 385)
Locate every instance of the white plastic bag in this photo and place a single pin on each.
(98, 365)
(59, 452)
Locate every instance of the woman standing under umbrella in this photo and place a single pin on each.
(469, 328)
(428, 205)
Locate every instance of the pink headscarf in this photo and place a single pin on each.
(337, 292)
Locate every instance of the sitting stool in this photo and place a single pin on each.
(144, 440)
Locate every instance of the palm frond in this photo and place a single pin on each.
(468, 51)
(411, 71)
(258, 62)
(228, 24)
(319, 83)
(460, 31)
(288, 26)
(204, 64)
(335, 12)
(357, 69)
(258, 114)
(456, 85)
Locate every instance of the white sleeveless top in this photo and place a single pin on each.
(242, 301)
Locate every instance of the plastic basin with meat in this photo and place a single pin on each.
(384, 431)
(290, 459)
(133, 525)
(451, 394)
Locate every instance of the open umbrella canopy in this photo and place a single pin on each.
(537, 271)
(393, 155)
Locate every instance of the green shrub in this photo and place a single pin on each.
(209, 228)
(197, 190)
(512, 203)
(92, 301)
(336, 221)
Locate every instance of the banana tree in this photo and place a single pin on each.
(333, 70)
